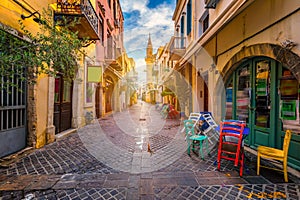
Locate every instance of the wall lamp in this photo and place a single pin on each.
(36, 19)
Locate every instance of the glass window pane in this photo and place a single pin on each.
(89, 92)
(289, 102)
(57, 90)
(243, 94)
(228, 114)
(262, 114)
(67, 92)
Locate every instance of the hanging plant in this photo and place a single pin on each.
(52, 50)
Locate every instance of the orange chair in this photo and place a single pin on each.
(230, 143)
(276, 154)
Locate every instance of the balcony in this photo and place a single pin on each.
(115, 65)
(113, 62)
(177, 47)
(81, 10)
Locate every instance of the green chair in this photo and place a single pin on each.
(194, 140)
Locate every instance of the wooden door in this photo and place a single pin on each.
(98, 101)
(62, 104)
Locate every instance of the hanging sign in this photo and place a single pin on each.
(94, 74)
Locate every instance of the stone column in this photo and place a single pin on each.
(50, 130)
(31, 116)
(77, 98)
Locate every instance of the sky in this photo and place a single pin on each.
(142, 17)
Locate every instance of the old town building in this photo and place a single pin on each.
(241, 59)
(53, 107)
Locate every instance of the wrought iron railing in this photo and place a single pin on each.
(90, 14)
(79, 7)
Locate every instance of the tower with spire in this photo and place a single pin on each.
(150, 59)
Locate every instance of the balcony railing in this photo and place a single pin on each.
(177, 47)
(84, 11)
(178, 43)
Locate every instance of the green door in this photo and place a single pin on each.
(263, 106)
(251, 96)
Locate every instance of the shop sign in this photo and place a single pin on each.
(94, 74)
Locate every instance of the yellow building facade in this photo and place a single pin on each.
(44, 115)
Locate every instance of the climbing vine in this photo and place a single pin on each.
(52, 50)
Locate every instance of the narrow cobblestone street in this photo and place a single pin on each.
(135, 155)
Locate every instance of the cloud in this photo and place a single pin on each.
(141, 20)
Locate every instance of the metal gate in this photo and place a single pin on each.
(12, 113)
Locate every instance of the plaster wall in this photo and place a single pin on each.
(42, 110)
(261, 29)
(262, 22)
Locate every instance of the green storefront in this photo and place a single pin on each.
(261, 91)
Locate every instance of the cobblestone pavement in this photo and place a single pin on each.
(135, 155)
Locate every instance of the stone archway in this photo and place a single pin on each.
(281, 54)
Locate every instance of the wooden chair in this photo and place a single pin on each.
(230, 143)
(275, 154)
(210, 131)
(195, 117)
(194, 140)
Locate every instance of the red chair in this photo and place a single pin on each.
(173, 114)
(230, 143)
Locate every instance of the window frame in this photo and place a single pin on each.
(203, 20)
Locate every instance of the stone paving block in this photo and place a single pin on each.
(20, 183)
(132, 194)
(146, 163)
(232, 181)
(209, 181)
(163, 174)
(208, 174)
(146, 169)
(135, 169)
(146, 176)
(146, 186)
(186, 181)
(171, 181)
(120, 176)
(90, 184)
(147, 197)
(256, 180)
(44, 182)
(134, 181)
(60, 185)
(229, 174)
(115, 183)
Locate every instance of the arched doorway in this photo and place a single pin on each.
(253, 95)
